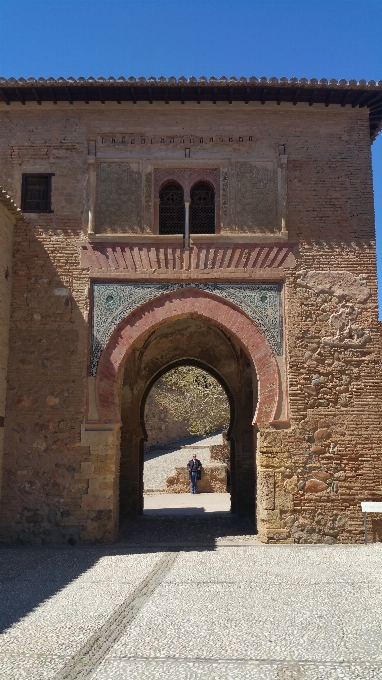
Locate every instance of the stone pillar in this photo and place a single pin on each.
(187, 225)
(101, 470)
(275, 486)
(92, 187)
(282, 189)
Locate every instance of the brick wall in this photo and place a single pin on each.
(7, 220)
(316, 466)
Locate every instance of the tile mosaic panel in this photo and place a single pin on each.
(113, 302)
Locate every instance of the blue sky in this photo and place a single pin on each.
(301, 38)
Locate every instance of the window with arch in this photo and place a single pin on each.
(202, 209)
(171, 209)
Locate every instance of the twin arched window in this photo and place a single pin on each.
(172, 209)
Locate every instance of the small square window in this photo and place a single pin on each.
(36, 193)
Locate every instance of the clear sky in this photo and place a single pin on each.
(292, 38)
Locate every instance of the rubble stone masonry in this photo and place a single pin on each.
(319, 454)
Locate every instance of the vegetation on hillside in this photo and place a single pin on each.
(190, 394)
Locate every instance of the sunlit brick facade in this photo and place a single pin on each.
(228, 224)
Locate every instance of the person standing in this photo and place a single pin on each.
(194, 468)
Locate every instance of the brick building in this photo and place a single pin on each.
(223, 223)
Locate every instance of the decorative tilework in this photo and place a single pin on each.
(112, 302)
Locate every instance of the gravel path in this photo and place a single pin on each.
(161, 463)
(309, 612)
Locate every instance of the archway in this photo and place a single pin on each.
(208, 347)
(247, 364)
(196, 304)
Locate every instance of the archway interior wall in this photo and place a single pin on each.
(207, 346)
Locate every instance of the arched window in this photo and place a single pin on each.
(202, 209)
(171, 209)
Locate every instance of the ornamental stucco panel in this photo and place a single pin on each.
(256, 197)
(112, 302)
(119, 198)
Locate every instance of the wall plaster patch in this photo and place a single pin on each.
(113, 302)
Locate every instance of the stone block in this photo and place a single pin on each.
(315, 486)
(266, 490)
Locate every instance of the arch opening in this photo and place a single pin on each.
(203, 346)
(185, 401)
(186, 410)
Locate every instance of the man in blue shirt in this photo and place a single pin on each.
(194, 468)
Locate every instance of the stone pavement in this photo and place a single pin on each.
(309, 612)
(183, 504)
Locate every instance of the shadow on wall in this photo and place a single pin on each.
(43, 480)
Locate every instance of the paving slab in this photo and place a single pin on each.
(304, 612)
(186, 504)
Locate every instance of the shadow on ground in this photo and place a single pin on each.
(29, 575)
(208, 529)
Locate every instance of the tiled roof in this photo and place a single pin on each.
(182, 90)
(184, 82)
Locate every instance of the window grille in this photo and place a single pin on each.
(36, 193)
(171, 209)
(202, 209)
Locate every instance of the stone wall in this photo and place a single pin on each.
(221, 453)
(8, 218)
(323, 455)
(213, 480)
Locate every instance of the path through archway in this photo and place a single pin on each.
(187, 413)
(188, 341)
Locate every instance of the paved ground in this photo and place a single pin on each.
(161, 463)
(183, 504)
(214, 613)
(216, 528)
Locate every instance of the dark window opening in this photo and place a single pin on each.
(36, 193)
(171, 209)
(202, 209)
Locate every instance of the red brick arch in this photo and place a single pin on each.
(199, 304)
